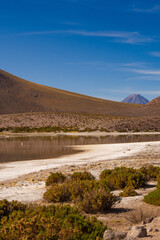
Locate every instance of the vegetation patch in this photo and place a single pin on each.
(82, 176)
(57, 177)
(151, 172)
(19, 221)
(122, 177)
(153, 198)
(81, 188)
(128, 192)
(98, 200)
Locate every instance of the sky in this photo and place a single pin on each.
(103, 48)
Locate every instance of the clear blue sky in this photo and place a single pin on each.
(103, 48)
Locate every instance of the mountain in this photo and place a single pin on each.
(20, 96)
(136, 98)
(155, 101)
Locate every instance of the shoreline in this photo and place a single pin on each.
(54, 134)
(89, 154)
(25, 180)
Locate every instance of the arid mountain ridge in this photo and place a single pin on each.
(20, 96)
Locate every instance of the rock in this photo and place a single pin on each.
(149, 229)
(148, 220)
(128, 228)
(156, 221)
(136, 232)
(111, 235)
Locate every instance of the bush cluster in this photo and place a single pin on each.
(151, 172)
(27, 129)
(122, 177)
(46, 222)
(81, 188)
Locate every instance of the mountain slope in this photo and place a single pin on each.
(136, 98)
(155, 101)
(19, 96)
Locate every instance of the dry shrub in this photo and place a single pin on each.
(141, 214)
(58, 193)
(98, 200)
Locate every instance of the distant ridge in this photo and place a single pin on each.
(154, 101)
(136, 99)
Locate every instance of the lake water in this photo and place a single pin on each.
(32, 148)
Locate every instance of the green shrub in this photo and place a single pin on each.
(150, 172)
(57, 177)
(88, 194)
(128, 192)
(58, 193)
(153, 198)
(98, 200)
(50, 222)
(105, 173)
(121, 177)
(79, 188)
(82, 176)
(69, 190)
(158, 185)
(6, 208)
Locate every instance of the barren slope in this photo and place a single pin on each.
(154, 102)
(20, 96)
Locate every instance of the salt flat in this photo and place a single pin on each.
(101, 155)
(91, 153)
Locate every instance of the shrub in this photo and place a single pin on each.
(82, 176)
(51, 222)
(158, 184)
(58, 193)
(98, 200)
(69, 190)
(6, 208)
(153, 198)
(57, 177)
(86, 193)
(79, 188)
(105, 173)
(150, 172)
(128, 192)
(141, 214)
(121, 177)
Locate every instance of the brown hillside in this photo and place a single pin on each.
(154, 101)
(19, 96)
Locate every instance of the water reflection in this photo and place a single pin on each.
(29, 148)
